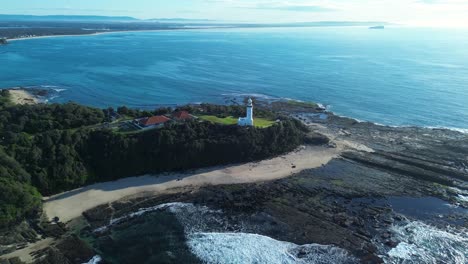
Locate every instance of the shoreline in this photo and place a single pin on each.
(122, 31)
(21, 96)
(173, 29)
(25, 95)
(334, 170)
(70, 205)
(75, 35)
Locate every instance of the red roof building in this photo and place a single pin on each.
(153, 121)
(182, 115)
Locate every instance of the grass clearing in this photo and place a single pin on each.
(262, 122)
(230, 120)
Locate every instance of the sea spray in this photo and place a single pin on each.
(95, 260)
(205, 228)
(141, 212)
(421, 243)
(233, 248)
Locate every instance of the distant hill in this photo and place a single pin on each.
(337, 23)
(65, 18)
(186, 20)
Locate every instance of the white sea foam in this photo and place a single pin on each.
(214, 247)
(461, 130)
(462, 198)
(54, 87)
(173, 207)
(253, 248)
(95, 260)
(421, 243)
(256, 95)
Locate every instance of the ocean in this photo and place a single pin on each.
(187, 233)
(397, 76)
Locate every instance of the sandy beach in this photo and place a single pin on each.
(116, 31)
(72, 204)
(22, 97)
(57, 36)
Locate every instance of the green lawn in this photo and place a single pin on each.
(230, 120)
(262, 122)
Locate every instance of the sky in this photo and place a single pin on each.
(441, 13)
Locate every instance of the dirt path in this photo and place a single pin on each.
(25, 254)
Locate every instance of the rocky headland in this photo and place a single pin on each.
(394, 194)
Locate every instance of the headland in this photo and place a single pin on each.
(354, 185)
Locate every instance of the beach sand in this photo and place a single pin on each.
(22, 97)
(72, 204)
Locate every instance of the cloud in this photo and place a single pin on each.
(60, 10)
(446, 2)
(291, 6)
(296, 8)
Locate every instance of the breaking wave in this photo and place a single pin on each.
(95, 260)
(421, 243)
(211, 246)
(173, 207)
(233, 248)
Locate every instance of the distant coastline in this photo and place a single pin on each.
(92, 34)
(37, 29)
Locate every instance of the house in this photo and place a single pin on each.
(182, 115)
(151, 122)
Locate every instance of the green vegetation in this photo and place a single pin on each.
(17, 200)
(5, 98)
(263, 123)
(303, 104)
(229, 120)
(47, 149)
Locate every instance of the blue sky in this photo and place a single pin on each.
(412, 12)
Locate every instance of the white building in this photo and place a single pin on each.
(248, 120)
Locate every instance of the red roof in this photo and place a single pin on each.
(182, 115)
(154, 120)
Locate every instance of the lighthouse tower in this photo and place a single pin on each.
(248, 120)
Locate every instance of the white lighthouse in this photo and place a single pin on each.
(248, 120)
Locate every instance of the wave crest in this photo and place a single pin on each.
(252, 248)
(421, 243)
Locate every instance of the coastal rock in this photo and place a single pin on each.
(315, 138)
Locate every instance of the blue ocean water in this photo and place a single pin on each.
(396, 76)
